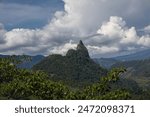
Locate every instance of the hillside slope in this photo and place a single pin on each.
(138, 70)
(76, 68)
(145, 54)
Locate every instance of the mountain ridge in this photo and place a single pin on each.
(76, 67)
(108, 62)
(145, 54)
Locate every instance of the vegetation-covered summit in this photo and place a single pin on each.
(76, 68)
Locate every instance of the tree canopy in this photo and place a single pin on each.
(16, 83)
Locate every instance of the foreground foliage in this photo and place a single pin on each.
(18, 83)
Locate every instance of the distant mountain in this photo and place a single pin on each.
(138, 70)
(105, 62)
(137, 67)
(27, 64)
(34, 60)
(76, 68)
(145, 54)
(108, 62)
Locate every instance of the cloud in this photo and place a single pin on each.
(113, 28)
(145, 41)
(103, 50)
(116, 29)
(103, 25)
(118, 34)
(63, 48)
(2, 32)
(146, 29)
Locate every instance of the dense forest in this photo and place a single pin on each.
(137, 70)
(74, 76)
(26, 84)
(76, 69)
(16, 83)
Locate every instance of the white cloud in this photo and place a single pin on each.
(147, 29)
(130, 36)
(115, 33)
(63, 48)
(144, 40)
(113, 28)
(100, 23)
(104, 50)
(116, 29)
(122, 36)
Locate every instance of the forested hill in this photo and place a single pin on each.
(138, 70)
(136, 67)
(27, 64)
(76, 68)
(141, 55)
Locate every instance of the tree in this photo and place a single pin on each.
(103, 89)
(25, 84)
(18, 83)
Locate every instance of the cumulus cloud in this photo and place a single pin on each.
(116, 29)
(147, 29)
(144, 41)
(118, 34)
(103, 25)
(63, 48)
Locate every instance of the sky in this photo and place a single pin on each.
(107, 27)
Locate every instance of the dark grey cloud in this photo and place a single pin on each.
(28, 13)
(50, 3)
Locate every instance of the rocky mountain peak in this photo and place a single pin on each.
(81, 46)
(82, 50)
(76, 67)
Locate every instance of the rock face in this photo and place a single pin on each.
(76, 68)
(82, 50)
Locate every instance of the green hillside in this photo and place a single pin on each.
(16, 83)
(76, 68)
(83, 79)
(138, 70)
